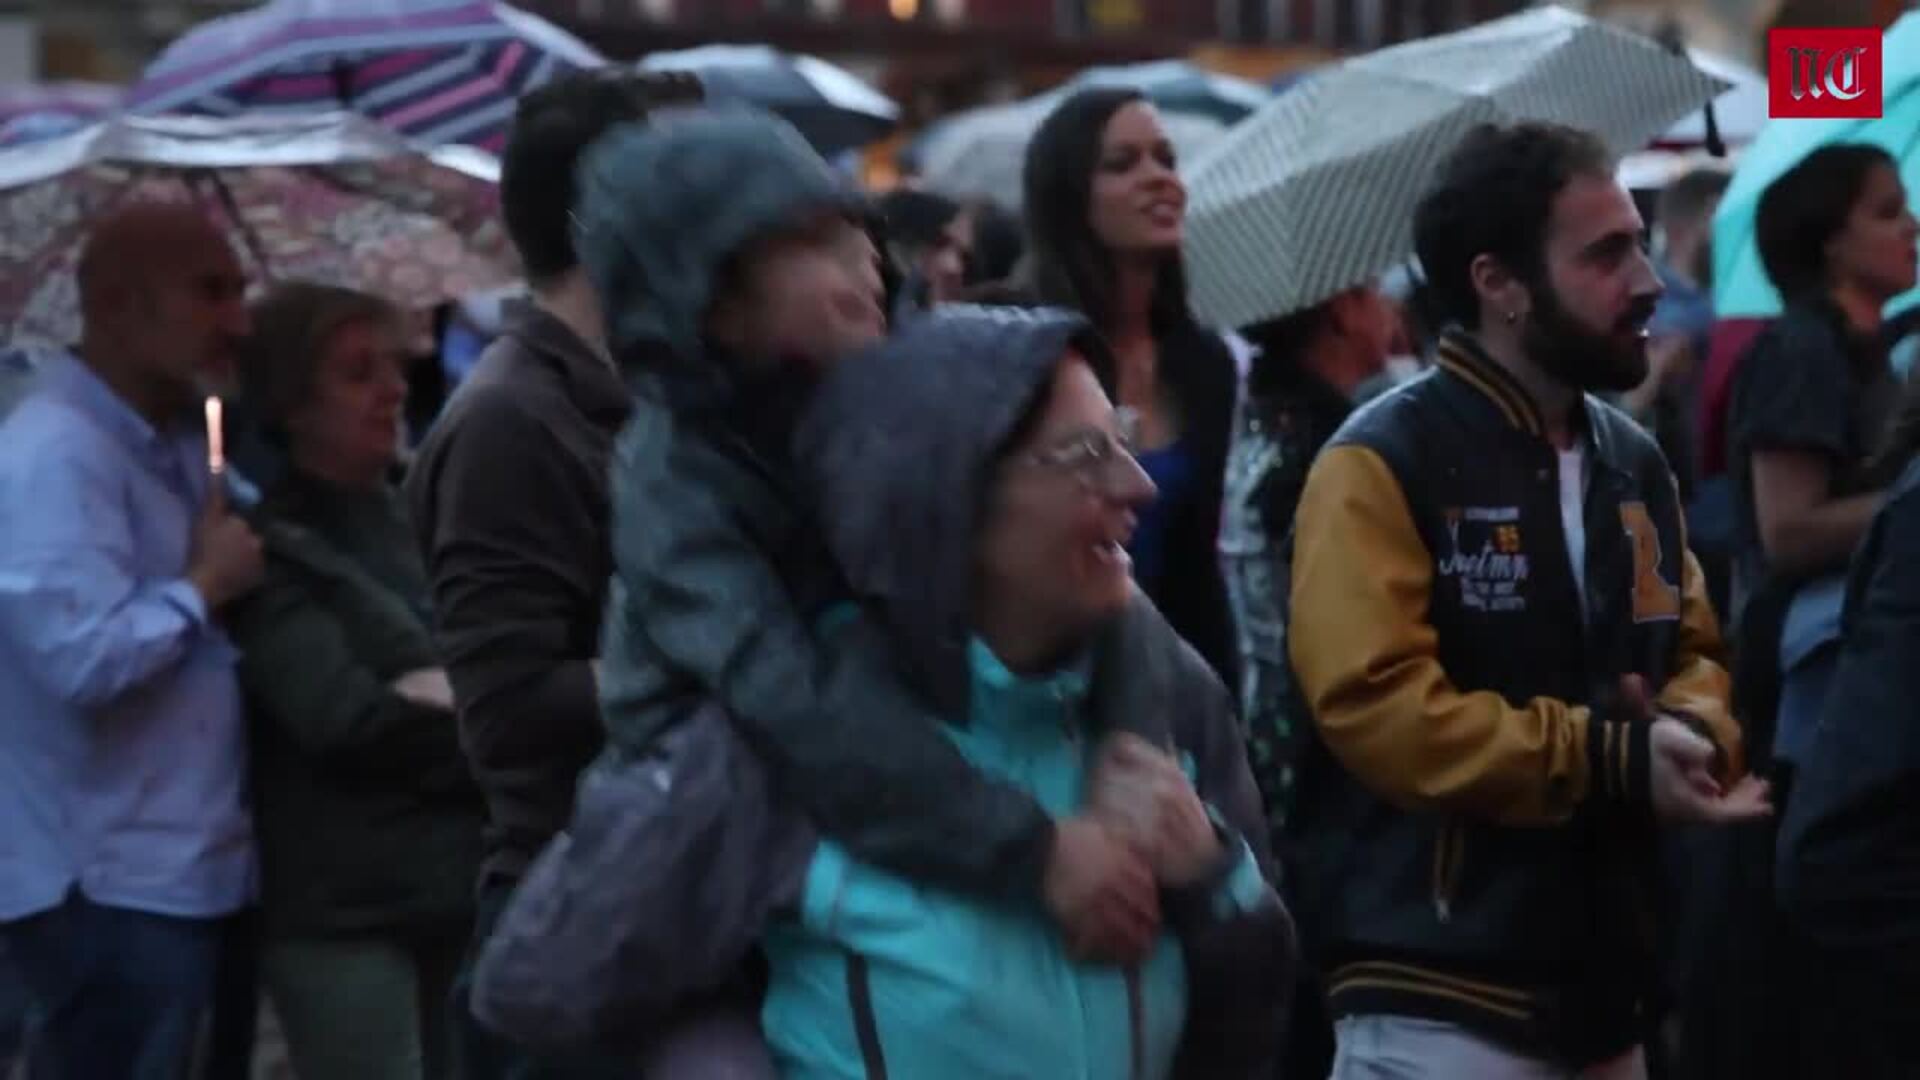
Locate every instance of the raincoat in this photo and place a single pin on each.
(876, 975)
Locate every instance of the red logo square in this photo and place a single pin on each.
(1824, 74)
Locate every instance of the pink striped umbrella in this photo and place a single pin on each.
(440, 71)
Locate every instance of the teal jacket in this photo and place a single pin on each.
(877, 976)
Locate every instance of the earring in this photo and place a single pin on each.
(1512, 317)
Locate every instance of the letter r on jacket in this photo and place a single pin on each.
(1653, 599)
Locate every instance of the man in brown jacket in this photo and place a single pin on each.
(509, 497)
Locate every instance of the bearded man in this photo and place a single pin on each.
(1506, 649)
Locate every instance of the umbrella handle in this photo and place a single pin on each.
(1673, 38)
(342, 82)
(224, 195)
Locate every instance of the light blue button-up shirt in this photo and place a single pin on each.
(122, 745)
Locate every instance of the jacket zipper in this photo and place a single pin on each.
(1449, 855)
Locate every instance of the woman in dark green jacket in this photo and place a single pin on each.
(368, 824)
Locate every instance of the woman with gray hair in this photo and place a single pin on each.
(368, 824)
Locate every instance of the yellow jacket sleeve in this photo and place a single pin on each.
(1366, 658)
(1700, 688)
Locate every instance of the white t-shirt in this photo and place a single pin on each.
(1573, 518)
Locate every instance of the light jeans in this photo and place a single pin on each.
(1406, 1048)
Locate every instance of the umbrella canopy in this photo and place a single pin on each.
(1740, 283)
(1653, 170)
(1739, 113)
(981, 153)
(1175, 86)
(84, 100)
(441, 71)
(1315, 193)
(36, 127)
(328, 197)
(835, 109)
(30, 112)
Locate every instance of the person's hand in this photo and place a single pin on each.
(427, 688)
(1102, 894)
(1683, 786)
(226, 561)
(1141, 793)
(1681, 782)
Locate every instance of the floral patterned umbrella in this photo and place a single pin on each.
(333, 198)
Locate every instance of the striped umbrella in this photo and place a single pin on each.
(440, 71)
(30, 112)
(1315, 193)
(835, 109)
(81, 100)
(1738, 114)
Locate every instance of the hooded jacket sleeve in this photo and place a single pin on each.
(1368, 664)
(844, 736)
(1237, 934)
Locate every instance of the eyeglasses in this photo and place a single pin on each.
(1100, 461)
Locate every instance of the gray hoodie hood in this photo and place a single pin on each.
(662, 207)
(896, 449)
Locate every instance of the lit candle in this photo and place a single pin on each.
(216, 439)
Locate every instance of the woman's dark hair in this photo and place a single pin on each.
(1071, 267)
(1494, 196)
(1805, 208)
(292, 326)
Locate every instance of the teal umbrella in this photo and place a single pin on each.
(1740, 285)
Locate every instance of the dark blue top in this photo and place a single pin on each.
(1172, 469)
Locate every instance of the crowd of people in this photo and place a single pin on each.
(820, 639)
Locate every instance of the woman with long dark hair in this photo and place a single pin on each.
(1105, 212)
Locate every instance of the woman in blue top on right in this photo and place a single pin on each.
(976, 486)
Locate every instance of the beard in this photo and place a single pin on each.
(1576, 355)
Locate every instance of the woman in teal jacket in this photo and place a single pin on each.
(974, 483)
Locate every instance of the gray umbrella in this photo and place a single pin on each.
(1315, 192)
(980, 153)
(835, 109)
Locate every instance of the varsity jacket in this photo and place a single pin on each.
(1478, 834)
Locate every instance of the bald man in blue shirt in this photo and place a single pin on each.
(124, 830)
